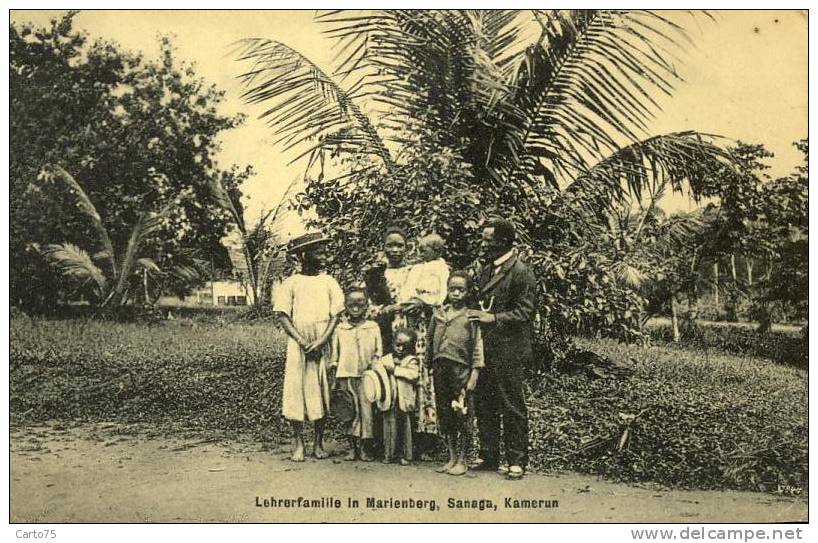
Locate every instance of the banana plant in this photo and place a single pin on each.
(262, 243)
(106, 271)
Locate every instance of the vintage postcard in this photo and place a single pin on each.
(415, 266)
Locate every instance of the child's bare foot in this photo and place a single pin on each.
(319, 452)
(366, 457)
(298, 453)
(445, 467)
(387, 461)
(351, 456)
(458, 469)
(404, 462)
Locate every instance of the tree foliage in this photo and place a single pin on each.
(751, 218)
(786, 210)
(137, 134)
(262, 257)
(535, 116)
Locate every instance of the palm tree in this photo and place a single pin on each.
(549, 109)
(107, 273)
(536, 109)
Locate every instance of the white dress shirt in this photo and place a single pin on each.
(498, 263)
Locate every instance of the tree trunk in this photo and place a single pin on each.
(731, 300)
(145, 285)
(749, 263)
(212, 274)
(674, 319)
(716, 284)
(733, 267)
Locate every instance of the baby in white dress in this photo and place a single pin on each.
(427, 280)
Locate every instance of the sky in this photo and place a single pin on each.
(745, 78)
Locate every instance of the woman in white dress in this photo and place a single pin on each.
(308, 305)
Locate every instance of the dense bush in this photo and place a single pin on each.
(791, 348)
(683, 418)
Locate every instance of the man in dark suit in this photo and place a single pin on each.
(508, 297)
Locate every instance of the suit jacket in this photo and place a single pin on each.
(511, 294)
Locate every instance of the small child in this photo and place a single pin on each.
(356, 343)
(425, 289)
(403, 365)
(308, 305)
(427, 280)
(455, 352)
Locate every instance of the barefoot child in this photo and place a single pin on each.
(402, 364)
(455, 352)
(356, 344)
(308, 305)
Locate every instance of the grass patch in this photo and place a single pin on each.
(686, 418)
(209, 376)
(789, 347)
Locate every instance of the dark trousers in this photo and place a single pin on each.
(397, 434)
(450, 379)
(500, 403)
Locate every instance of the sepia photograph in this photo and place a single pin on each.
(409, 266)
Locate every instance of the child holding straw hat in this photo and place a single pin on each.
(355, 345)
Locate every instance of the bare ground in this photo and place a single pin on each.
(107, 473)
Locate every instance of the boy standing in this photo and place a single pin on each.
(355, 345)
(456, 355)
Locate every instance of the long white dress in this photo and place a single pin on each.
(310, 301)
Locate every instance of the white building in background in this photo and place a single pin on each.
(227, 292)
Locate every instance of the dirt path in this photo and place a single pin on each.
(92, 474)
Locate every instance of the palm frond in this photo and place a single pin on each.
(628, 274)
(419, 65)
(643, 171)
(283, 210)
(76, 263)
(590, 83)
(303, 103)
(682, 230)
(144, 227)
(52, 172)
(501, 38)
(185, 272)
(223, 200)
(148, 264)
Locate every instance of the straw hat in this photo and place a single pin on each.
(378, 387)
(304, 241)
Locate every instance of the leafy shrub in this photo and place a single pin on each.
(791, 348)
(684, 419)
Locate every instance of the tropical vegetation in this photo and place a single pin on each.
(538, 116)
(110, 152)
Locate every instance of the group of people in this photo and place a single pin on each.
(417, 349)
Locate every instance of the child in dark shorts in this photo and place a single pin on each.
(455, 352)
